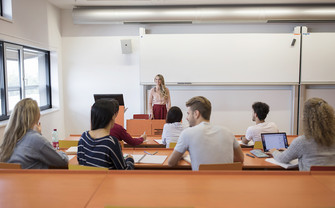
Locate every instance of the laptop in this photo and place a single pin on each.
(274, 140)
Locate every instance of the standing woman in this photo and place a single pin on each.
(23, 142)
(159, 99)
(317, 146)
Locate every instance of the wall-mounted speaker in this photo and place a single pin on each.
(126, 46)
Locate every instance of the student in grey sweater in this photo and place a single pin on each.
(317, 146)
(23, 142)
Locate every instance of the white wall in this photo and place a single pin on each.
(93, 63)
(36, 23)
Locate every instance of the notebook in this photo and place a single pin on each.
(274, 140)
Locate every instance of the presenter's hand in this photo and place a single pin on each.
(151, 116)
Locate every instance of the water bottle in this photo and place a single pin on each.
(55, 142)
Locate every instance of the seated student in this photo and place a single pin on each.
(23, 142)
(173, 126)
(260, 111)
(206, 143)
(96, 147)
(121, 134)
(317, 145)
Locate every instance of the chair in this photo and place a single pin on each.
(10, 165)
(141, 116)
(227, 166)
(82, 167)
(67, 143)
(258, 145)
(322, 168)
(172, 144)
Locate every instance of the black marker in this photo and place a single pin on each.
(250, 155)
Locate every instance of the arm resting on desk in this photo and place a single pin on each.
(244, 140)
(174, 158)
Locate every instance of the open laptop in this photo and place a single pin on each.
(274, 140)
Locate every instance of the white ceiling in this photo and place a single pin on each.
(69, 4)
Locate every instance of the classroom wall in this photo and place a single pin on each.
(93, 63)
(36, 23)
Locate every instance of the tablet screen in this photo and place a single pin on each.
(274, 140)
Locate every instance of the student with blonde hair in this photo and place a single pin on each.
(23, 142)
(317, 146)
(159, 99)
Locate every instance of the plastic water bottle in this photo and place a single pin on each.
(55, 140)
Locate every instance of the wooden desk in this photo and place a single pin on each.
(66, 188)
(136, 127)
(290, 138)
(149, 143)
(249, 163)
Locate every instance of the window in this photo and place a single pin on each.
(26, 74)
(6, 9)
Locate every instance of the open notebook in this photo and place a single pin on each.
(151, 159)
(292, 164)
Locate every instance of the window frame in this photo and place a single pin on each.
(4, 82)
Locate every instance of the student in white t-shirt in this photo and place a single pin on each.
(173, 126)
(260, 111)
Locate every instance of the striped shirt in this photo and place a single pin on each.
(102, 152)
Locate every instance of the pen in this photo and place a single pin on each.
(250, 155)
(147, 153)
(154, 153)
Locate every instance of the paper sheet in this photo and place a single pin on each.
(292, 164)
(251, 143)
(72, 149)
(70, 157)
(187, 158)
(159, 141)
(154, 159)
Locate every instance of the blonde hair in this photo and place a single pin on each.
(24, 116)
(162, 86)
(319, 121)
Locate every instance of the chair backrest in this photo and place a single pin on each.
(258, 145)
(67, 143)
(10, 165)
(227, 166)
(172, 144)
(141, 116)
(322, 168)
(82, 167)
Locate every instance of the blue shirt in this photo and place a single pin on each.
(102, 152)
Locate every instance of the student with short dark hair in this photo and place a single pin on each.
(96, 147)
(317, 146)
(206, 143)
(173, 126)
(260, 112)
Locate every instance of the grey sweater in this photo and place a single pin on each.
(308, 152)
(34, 151)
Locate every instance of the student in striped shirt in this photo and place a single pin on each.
(96, 147)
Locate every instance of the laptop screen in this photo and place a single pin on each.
(274, 140)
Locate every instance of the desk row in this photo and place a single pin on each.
(249, 162)
(151, 142)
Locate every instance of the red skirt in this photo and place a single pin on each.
(159, 111)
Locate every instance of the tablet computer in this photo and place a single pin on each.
(274, 140)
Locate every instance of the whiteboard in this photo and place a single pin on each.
(318, 60)
(220, 58)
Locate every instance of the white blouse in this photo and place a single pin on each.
(171, 132)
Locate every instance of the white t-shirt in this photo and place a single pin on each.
(171, 132)
(207, 144)
(254, 132)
